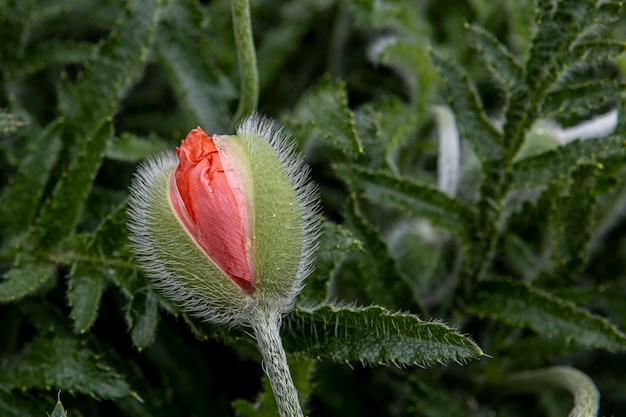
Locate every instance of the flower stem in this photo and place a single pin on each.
(582, 388)
(266, 325)
(246, 59)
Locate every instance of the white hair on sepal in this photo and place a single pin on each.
(171, 276)
(306, 191)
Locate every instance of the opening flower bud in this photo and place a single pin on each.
(207, 195)
(228, 223)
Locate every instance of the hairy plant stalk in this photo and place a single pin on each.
(246, 60)
(582, 388)
(266, 326)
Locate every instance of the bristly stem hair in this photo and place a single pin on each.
(266, 326)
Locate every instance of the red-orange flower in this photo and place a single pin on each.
(207, 193)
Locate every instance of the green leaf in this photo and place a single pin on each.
(280, 41)
(142, 317)
(468, 110)
(50, 9)
(19, 404)
(63, 364)
(45, 53)
(105, 252)
(263, 406)
(412, 61)
(60, 213)
(324, 111)
(497, 58)
(185, 53)
(580, 99)
(132, 148)
(58, 411)
(419, 200)
(597, 51)
(9, 122)
(120, 62)
(373, 335)
(26, 276)
(336, 245)
(385, 14)
(573, 224)
(521, 257)
(85, 286)
(519, 304)
(107, 247)
(383, 281)
(561, 31)
(431, 400)
(384, 127)
(557, 165)
(19, 201)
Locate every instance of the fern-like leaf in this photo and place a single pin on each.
(63, 364)
(324, 111)
(373, 335)
(419, 200)
(522, 305)
(474, 125)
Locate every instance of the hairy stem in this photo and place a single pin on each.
(246, 59)
(582, 388)
(266, 325)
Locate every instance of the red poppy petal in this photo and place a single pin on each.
(209, 200)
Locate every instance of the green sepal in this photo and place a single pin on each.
(278, 227)
(161, 241)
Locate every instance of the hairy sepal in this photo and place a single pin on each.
(287, 221)
(176, 264)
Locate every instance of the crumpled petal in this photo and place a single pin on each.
(207, 196)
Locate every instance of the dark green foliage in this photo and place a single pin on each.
(66, 364)
(521, 305)
(379, 271)
(419, 200)
(473, 124)
(84, 291)
(525, 261)
(324, 111)
(131, 148)
(26, 276)
(183, 46)
(18, 208)
(374, 336)
(58, 410)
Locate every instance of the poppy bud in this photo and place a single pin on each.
(227, 224)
